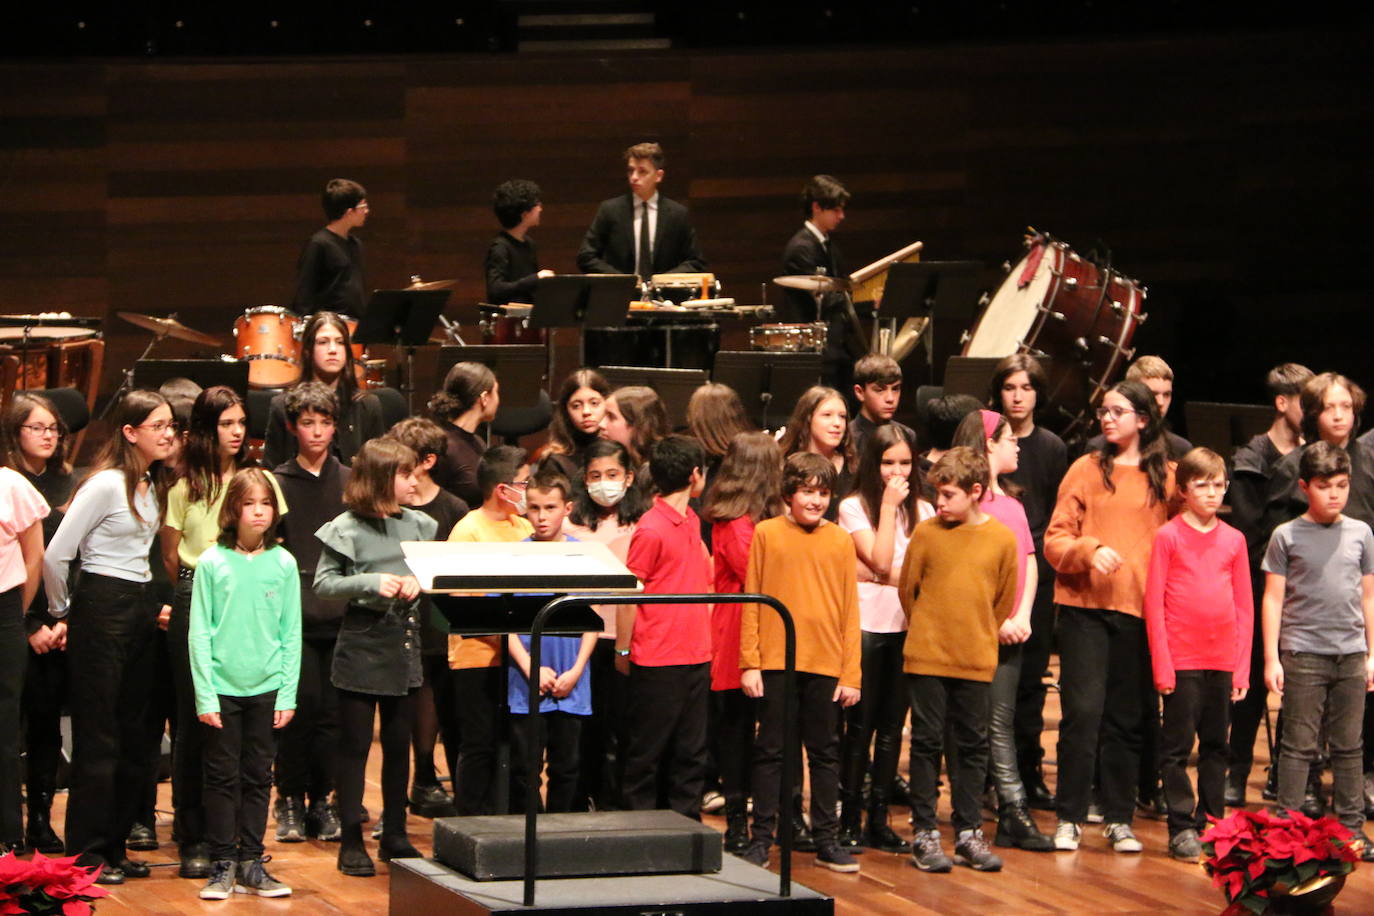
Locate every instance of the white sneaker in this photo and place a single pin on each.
(1066, 836)
(1123, 838)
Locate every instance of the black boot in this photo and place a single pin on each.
(851, 822)
(736, 825)
(879, 835)
(1270, 792)
(396, 845)
(1038, 795)
(40, 835)
(1016, 827)
(802, 841)
(353, 857)
(1235, 788)
(900, 793)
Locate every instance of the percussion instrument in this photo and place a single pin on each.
(509, 324)
(269, 338)
(1058, 306)
(678, 288)
(50, 356)
(815, 284)
(869, 282)
(789, 338)
(373, 373)
(168, 327)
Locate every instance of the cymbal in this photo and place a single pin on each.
(813, 283)
(168, 327)
(434, 284)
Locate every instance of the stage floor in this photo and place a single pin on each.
(1090, 882)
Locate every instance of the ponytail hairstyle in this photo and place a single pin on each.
(1153, 445)
(464, 384)
(21, 407)
(748, 482)
(201, 464)
(119, 454)
(870, 483)
(974, 432)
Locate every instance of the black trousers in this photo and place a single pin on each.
(818, 718)
(603, 732)
(667, 722)
(959, 708)
(736, 716)
(1197, 708)
(435, 719)
(1029, 722)
(560, 733)
(477, 695)
(356, 714)
(308, 748)
(14, 655)
(110, 649)
(159, 718)
(238, 776)
(188, 743)
(877, 718)
(1103, 669)
(45, 695)
(1247, 714)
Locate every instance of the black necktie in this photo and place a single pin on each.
(645, 262)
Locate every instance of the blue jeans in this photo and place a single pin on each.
(1325, 689)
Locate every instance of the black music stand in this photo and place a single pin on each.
(763, 377)
(207, 373)
(971, 375)
(674, 386)
(403, 318)
(520, 368)
(1222, 427)
(946, 292)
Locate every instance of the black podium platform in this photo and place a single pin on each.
(425, 886)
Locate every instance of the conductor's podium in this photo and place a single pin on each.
(631, 862)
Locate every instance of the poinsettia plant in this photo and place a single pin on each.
(1256, 856)
(43, 885)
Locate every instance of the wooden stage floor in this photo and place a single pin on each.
(1092, 881)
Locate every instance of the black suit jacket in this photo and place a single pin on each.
(803, 254)
(609, 246)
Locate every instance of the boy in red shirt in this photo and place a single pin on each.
(666, 648)
(1199, 612)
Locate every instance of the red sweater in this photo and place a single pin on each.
(1199, 609)
(731, 541)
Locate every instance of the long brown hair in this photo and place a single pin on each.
(119, 454)
(972, 433)
(201, 463)
(870, 484)
(348, 379)
(20, 408)
(645, 415)
(749, 481)
(715, 415)
(371, 487)
(797, 436)
(234, 494)
(1153, 455)
(564, 438)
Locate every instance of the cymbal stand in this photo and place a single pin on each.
(127, 383)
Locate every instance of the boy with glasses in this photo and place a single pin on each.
(1198, 615)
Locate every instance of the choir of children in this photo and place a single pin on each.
(942, 610)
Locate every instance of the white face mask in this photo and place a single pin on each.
(606, 493)
(520, 503)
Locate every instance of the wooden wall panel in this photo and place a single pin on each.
(1220, 170)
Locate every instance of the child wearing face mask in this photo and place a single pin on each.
(606, 508)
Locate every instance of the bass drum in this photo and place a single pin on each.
(267, 337)
(1076, 316)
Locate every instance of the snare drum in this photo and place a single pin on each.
(372, 373)
(268, 337)
(1057, 306)
(789, 338)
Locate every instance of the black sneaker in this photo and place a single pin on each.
(756, 854)
(926, 853)
(431, 801)
(109, 875)
(290, 820)
(836, 858)
(141, 838)
(134, 869)
(322, 821)
(221, 883)
(972, 850)
(802, 840)
(253, 878)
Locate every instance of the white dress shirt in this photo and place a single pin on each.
(653, 230)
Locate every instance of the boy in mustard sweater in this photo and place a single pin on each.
(810, 566)
(958, 584)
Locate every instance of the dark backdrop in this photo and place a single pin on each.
(1222, 171)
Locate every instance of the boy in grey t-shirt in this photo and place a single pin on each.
(1318, 612)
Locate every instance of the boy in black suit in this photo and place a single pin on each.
(811, 251)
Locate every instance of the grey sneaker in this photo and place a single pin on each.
(221, 883)
(1122, 837)
(254, 879)
(972, 850)
(1067, 835)
(1185, 845)
(926, 853)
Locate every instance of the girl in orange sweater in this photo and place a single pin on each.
(1110, 504)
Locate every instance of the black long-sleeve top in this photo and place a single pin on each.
(512, 268)
(329, 275)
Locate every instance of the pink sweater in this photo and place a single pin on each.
(1199, 610)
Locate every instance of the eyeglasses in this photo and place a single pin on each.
(522, 484)
(161, 426)
(38, 429)
(1209, 486)
(1116, 413)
